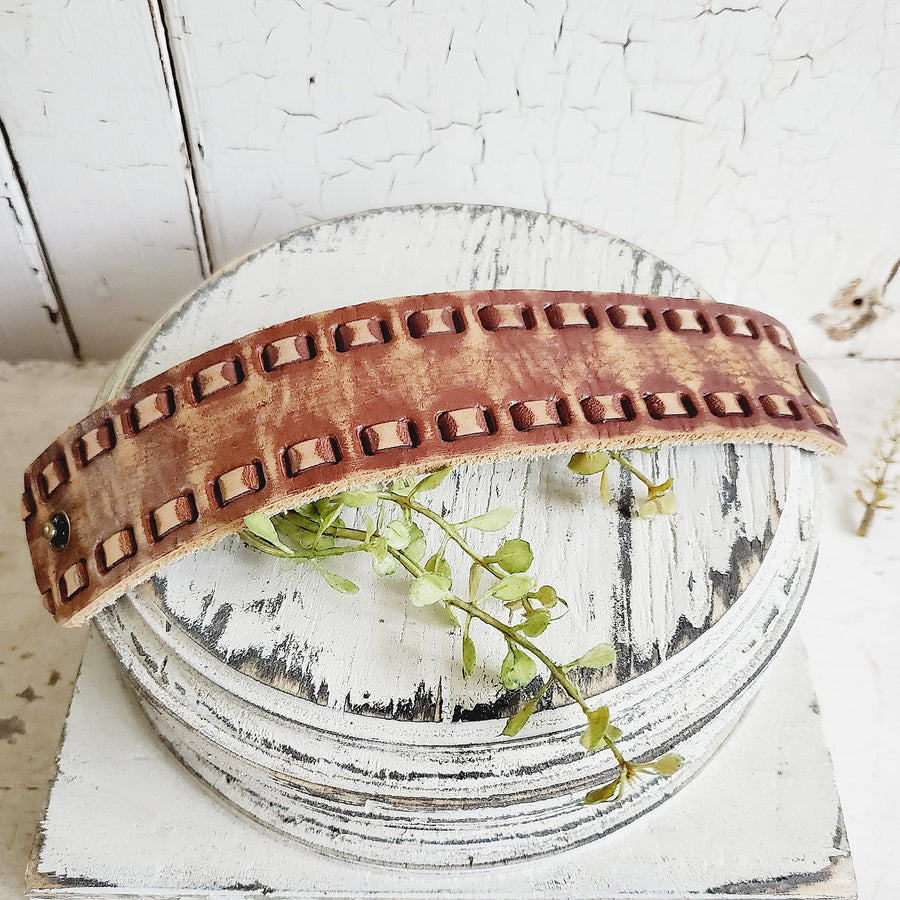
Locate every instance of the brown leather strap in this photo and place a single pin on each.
(366, 393)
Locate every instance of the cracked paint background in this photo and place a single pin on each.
(754, 146)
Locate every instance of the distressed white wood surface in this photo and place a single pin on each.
(90, 121)
(28, 302)
(754, 144)
(281, 624)
(439, 787)
(849, 623)
(38, 660)
(761, 820)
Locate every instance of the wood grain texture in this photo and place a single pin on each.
(38, 664)
(852, 576)
(752, 144)
(762, 820)
(30, 321)
(89, 118)
(648, 590)
(450, 793)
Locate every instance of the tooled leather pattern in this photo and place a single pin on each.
(365, 393)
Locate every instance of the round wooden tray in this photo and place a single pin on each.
(344, 721)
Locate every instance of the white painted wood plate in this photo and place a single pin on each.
(344, 721)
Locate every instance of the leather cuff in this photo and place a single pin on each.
(367, 393)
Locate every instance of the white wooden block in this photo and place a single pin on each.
(314, 769)
(125, 818)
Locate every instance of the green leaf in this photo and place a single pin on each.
(589, 463)
(261, 526)
(603, 794)
(474, 580)
(605, 490)
(667, 504)
(337, 582)
(667, 765)
(403, 485)
(430, 482)
(648, 510)
(468, 655)
(384, 564)
(493, 520)
(547, 596)
(333, 517)
(658, 490)
(613, 732)
(438, 564)
(417, 545)
(514, 556)
(397, 534)
(295, 530)
(417, 549)
(356, 499)
(513, 587)
(517, 722)
(324, 506)
(598, 722)
(596, 658)
(257, 543)
(518, 669)
(535, 623)
(429, 588)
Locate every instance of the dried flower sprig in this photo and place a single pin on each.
(881, 482)
(395, 541)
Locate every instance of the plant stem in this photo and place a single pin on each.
(887, 455)
(448, 527)
(863, 529)
(625, 464)
(877, 488)
(509, 632)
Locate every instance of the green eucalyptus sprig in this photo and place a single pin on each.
(395, 541)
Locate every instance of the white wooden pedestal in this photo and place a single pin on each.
(348, 728)
(125, 819)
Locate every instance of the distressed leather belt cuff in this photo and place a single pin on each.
(367, 393)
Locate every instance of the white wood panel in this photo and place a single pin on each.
(30, 321)
(99, 146)
(754, 145)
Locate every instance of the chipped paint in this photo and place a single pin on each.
(433, 756)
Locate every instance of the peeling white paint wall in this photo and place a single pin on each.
(755, 146)
(89, 123)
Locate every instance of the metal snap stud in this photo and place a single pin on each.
(57, 530)
(813, 383)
